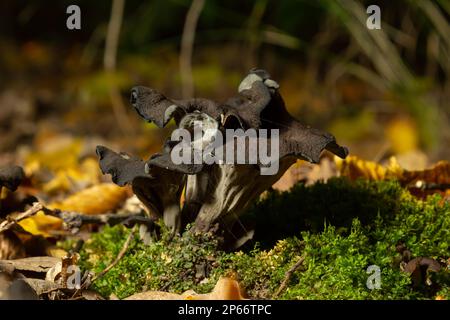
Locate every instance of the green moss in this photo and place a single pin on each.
(340, 227)
(176, 265)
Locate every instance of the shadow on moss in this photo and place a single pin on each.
(337, 202)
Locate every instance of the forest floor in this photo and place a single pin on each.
(347, 229)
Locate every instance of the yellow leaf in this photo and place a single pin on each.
(98, 199)
(86, 174)
(354, 168)
(41, 224)
(61, 155)
(437, 174)
(402, 135)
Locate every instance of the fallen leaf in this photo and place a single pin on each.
(56, 153)
(37, 286)
(41, 224)
(437, 176)
(35, 264)
(402, 135)
(225, 289)
(79, 177)
(98, 199)
(354, 168)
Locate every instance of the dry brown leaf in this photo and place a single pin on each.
(10, 246)
(61, 271)
(294, 174)
(98, 199)
(438, 174)
(37, 286)
(35, 264)
(225, 289)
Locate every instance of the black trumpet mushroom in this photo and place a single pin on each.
(219, 189)
(11, 177)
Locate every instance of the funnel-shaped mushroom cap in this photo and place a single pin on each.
(218, 191)
(11, 177)
(159, 189)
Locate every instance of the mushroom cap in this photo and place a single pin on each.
(11, 177)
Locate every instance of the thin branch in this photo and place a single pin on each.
(11, 221)
(288, 276)
(109, 62)
(112, 36)
(113, 264)
(187, 44)
(74, 220)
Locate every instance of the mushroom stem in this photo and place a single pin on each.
(172, 218)
(235, 187)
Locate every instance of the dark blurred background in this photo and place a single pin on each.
(380, 92)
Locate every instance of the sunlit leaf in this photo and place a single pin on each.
(41, 224)
(98, 199)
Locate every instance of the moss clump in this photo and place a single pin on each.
(174, 265)
(340, 227)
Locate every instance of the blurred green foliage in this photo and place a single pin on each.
(334, 72)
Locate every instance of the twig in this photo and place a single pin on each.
(11, 221)
(187, 43)
(113, 264)
(75, 220)
(109, 62)
(288, 276)
(112, 36)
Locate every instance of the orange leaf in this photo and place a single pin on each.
(98, 199)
